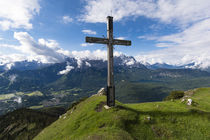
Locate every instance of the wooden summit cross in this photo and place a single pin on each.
(110, 42)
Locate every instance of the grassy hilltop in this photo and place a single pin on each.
(89, 120)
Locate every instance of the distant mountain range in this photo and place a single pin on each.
(122, 60)
(34, 84)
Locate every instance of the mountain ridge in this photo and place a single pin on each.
(174, 119)
(119, 60)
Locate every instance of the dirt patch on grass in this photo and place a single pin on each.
(101, 126)
(190, 92)
(161, 132)
(100, 106)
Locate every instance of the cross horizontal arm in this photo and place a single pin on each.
(122, 42)
(96, 40)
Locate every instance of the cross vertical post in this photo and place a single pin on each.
(109, 41)
(110, 58)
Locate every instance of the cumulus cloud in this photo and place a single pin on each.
(90, 32)
(96, 10)
(49, 43)
(167, 11)
(47, 50)
(130, 62)
(67, 19)
(7, 59)
(94, 55)
(67, 70)
(86, 44)
(18, 14)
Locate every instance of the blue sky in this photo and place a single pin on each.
(162, 31)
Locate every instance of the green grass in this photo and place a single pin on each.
(36, 107)
(68, 91)
(6, 96)
(202, 96)
(19, 93)
(35, 93)
(11, 95)
(147, 121)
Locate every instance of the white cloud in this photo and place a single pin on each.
(9, 66)
(17, 14)
(94, 55)
(182, 12)
(162, 45)
(148, 37)
(8, 46)
(98, 10)
(46, 50)
(50, 43)
(7, 59)
(86, 44)
(90, 32)
(67, 70)
(192, 45)
(121, 38)
(130, 62)
(67, 19)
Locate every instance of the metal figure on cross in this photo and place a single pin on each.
(109, 41)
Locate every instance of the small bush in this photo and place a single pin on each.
(175, 95)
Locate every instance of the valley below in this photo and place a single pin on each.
(44, 86)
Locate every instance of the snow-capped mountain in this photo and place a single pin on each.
(162, 66)
(191, 65)
(73, 63)
(83, 63)
(22, 65)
